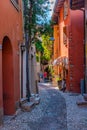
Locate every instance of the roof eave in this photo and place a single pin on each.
(57, 6)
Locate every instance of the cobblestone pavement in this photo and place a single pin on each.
(76, 115)
(50, 114)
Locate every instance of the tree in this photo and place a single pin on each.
(47, 46)
(35, 12)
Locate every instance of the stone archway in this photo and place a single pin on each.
(7, 71)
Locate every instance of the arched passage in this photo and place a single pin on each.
(7, 71)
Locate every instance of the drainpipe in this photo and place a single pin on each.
(27, 65)
(85, 5)
(84, 56)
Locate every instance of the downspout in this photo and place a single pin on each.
(27, 65)
(84, 55)
(84, 43)
(85, 5)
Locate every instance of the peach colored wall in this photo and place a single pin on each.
(56, 37)
(64, 49)
(11, 26)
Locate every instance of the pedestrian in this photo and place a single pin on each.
(38, 75)
(45, 76)
(59, 80)
(63, 85)
(41, 76)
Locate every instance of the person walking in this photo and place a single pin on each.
(45, 76)
(63, 85)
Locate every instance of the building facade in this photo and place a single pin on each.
(11, 38)
(70, 44)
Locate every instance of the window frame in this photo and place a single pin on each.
(65, 10)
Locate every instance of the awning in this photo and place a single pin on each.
(57, 7)
(61, 59)
(55, 62)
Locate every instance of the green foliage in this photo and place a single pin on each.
(47, 45)
(39, 46)
(37, 57)
(51, 70)
(36, 24)
(47, 29)
(35, 12)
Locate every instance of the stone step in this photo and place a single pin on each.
(85, 97)
(23, 100)
(27, 106)
(82, 103)
(37, 100)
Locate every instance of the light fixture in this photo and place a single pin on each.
(23, 47)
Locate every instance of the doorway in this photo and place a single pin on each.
(7, 74)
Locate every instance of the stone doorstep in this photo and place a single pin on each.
(32, 99)
(37, 100)
(81, 103)
(23, 100)
(27, 106)
(85, 97)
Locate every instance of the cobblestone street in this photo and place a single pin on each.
(50, 114)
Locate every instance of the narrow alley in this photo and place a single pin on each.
(50, 114)
(43, 65)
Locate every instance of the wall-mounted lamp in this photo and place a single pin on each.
(23, 47)
(51, 39)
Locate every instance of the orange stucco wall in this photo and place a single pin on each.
(11, 26)
(74, 49)
(56, 43)
(62, 23)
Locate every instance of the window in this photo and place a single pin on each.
(15, 3)
(65, 35)
(65, 9)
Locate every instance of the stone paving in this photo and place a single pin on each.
(56, 111)
(50, 114)
(76, 115)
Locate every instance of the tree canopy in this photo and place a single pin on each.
(37, 25)
(35, 12)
